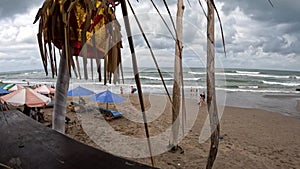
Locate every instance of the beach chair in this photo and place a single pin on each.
(110, 114)
(115, 113)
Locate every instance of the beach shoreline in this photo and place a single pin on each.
(252, 138)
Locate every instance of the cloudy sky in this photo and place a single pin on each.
(257, 35)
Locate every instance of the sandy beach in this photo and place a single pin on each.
(252, 138)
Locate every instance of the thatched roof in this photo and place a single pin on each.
(85, 28)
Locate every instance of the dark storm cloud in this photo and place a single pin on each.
(283, 12)
(274, 30)
(9, 8)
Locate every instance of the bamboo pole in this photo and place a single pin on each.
(177, 76)
(211, 92)
(136, 74)
(180, 68)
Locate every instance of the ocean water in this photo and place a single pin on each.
(273, 90)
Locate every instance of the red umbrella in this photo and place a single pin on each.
(45, 90)
(26, 97)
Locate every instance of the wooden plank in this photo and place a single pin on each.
(26, 143)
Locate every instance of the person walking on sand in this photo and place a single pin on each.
(202, 98)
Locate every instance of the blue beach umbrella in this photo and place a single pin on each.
(2, 91)
(107, 97)
(80, 91)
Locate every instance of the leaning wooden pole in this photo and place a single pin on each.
(151, 51)
(60, 104)
(62, 82)
(211, 92)
(177, 76)
(136, 74)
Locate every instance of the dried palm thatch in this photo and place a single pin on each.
(80, 27)
(77, 28)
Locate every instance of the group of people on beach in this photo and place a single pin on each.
(37, 113)
(33, 112)
(194, 92)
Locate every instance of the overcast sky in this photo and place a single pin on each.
(256, 34)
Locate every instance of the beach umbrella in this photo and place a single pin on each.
(80, 91)
(2, 91)
(26, 97)
(15, 87)
(107, 97)
(44, 89)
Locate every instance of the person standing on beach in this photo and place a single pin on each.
(132, 89)
(121, 90)
(32, 113)
(202, 98)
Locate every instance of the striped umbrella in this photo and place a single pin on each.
(15, 88)
(26, 97)
(44, 89)
(7, 86)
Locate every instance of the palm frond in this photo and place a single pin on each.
(271, 3)
(189, 3)
(151, 51)
(202, 8)
(221, 27)
(162, 18)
